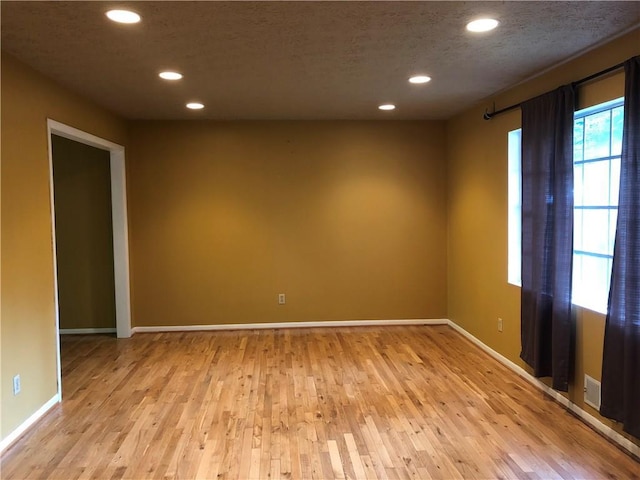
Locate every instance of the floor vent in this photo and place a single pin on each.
(592, 392)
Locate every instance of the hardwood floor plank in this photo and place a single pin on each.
(354, 457)
(336, 460)
(404, 402)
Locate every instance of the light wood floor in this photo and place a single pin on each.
(360, 403)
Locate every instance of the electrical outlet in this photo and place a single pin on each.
(281, 299)
(499, 324)
(16, 385)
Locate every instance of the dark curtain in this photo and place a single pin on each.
(547, 332)
(621, 361)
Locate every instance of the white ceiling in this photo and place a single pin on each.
(301, 60)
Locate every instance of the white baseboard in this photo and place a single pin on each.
(85, 331)
(263, 326)
(557, 396)
(13, 436)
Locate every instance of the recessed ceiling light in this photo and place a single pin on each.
(195, 106)
(123, 16)
(170, 75)
(387, 106)
(482, 25)
(420, 79)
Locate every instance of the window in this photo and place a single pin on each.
(515, 209)
(597, 144)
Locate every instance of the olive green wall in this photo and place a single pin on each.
(346, 218)
(477, 214)
(28, 320)
(84, 235)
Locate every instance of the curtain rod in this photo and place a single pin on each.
(489, 115)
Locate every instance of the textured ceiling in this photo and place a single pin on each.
(301, 60)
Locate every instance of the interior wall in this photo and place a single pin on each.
(347, 219)
(28, 320)
(84, 235)
(478, 292)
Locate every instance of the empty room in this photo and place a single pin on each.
(320, 240)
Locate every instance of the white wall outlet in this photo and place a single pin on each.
(281, 299)
(16, 385)
(499, 324)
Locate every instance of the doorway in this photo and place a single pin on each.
(84, 237)
(119, 229)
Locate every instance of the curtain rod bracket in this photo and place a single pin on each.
(489, 115)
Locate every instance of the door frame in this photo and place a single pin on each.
(119, 221)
